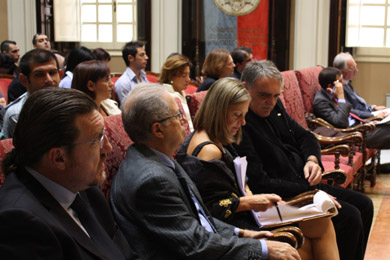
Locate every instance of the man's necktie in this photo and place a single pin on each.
(96, 232)
(198, 206)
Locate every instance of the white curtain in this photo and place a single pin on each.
(67, 22)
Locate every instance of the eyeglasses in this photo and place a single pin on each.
(178, 114)
(351, 69)
(100, 140)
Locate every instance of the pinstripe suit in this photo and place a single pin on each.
(158, 215)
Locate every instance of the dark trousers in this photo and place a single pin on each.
(380, 138)
(353, 223)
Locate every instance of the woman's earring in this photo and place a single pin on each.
(171, 82)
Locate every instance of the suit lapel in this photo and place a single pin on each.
(58, 212)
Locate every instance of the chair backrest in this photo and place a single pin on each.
(292, 98)
(194, 100)
(5, 147)
(190, 89)
(152, 76)
(4, 83)
(309, 85)
(119, 141)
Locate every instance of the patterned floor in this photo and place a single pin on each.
(378, 244)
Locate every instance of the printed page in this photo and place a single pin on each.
(322, 206)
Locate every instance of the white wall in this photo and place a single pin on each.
(21, 23)
(166, 31)
(311, 33)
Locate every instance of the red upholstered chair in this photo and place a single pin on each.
(152, 76)
(113, 80)
(4, 83)
(293, 102)
(190, 89)
(194, 100)
(5, 147)
(119, 141)
(309, 86)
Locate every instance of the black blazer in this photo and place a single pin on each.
(33, 225)
(158, 216)
(276, 156)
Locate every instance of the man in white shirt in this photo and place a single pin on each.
(135, 58)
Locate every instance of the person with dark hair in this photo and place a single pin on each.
(41, 41)
(330, 104)
(241, 56)
(7, 64)
(12, 49)
(284, 158)
(135, 58)
(175, 76)
(93, 78)
(101, 54)
(158, 207)
(38, 69)
(76, 56)
(50, 204)
(218, 64)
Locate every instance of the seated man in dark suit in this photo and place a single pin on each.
(241, 56)
(50, 205)
(284, 158)
(330, 104)
(155, 202)
(345, 62)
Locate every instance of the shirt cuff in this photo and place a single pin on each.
(264, 249)
(341, 100)
(236, 229)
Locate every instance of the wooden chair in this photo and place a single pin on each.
(309, 86)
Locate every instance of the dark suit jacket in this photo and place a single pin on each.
(359, 108)
(206, 84)
(33, 225)
(326, 108)
(276, 157)
(159, 217)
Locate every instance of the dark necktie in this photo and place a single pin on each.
(96, 232)
(187, 188)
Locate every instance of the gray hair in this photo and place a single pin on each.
(260, 69)
(144, 106)
(340, 61)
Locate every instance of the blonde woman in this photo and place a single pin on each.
(207, 156)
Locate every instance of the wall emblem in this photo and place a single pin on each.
(237, 7)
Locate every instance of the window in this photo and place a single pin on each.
(108, 23)
(368, 23)
(96, 23)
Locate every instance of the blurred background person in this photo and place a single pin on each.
(175, 76)
(218, 64)
(93, 78)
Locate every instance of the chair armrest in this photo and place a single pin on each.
(341, 149)
(289, 234)
(363, 128)
(338, 176)
(349, 138)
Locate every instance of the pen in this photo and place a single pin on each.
(277, 208)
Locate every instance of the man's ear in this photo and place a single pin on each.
(57, 157)
(130, 58)
(245, 84)
(156, 130)
(24, 79)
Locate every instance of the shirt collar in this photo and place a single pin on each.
(61, 194)
(164, 158)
